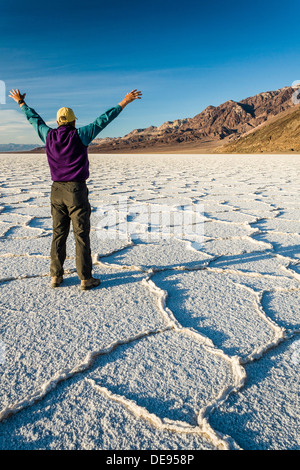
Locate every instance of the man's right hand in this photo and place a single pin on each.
(17, 95)
(133, 95)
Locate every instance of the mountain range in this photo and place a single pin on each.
(229, 127)
(11, 147)
(208, 131)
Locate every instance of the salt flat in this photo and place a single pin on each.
(192, 339)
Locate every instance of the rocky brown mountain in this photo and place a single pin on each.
(203, 133)
(280, 134)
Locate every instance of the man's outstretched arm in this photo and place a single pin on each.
(32, 116)
(89, 132)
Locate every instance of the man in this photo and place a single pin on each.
(67, 153)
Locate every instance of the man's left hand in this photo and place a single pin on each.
(133, 95)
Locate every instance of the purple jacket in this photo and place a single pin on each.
(67, 156)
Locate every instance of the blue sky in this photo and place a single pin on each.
(183, 56)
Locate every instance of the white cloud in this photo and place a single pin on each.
(15, 128)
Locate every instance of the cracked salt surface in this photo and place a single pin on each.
(175, 395)
(246, 413)
(49, 332)
(183, 346)
(222, 310)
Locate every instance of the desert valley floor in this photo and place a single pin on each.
(191, 340)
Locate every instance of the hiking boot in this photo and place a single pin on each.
(56, 281)
(89, 283)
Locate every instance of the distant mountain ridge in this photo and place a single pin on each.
(11, 147)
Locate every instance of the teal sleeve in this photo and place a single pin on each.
(37, 122)
(89, 132)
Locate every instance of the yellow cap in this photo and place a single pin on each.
(65, 115)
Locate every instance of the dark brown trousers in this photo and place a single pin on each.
(69, 202)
